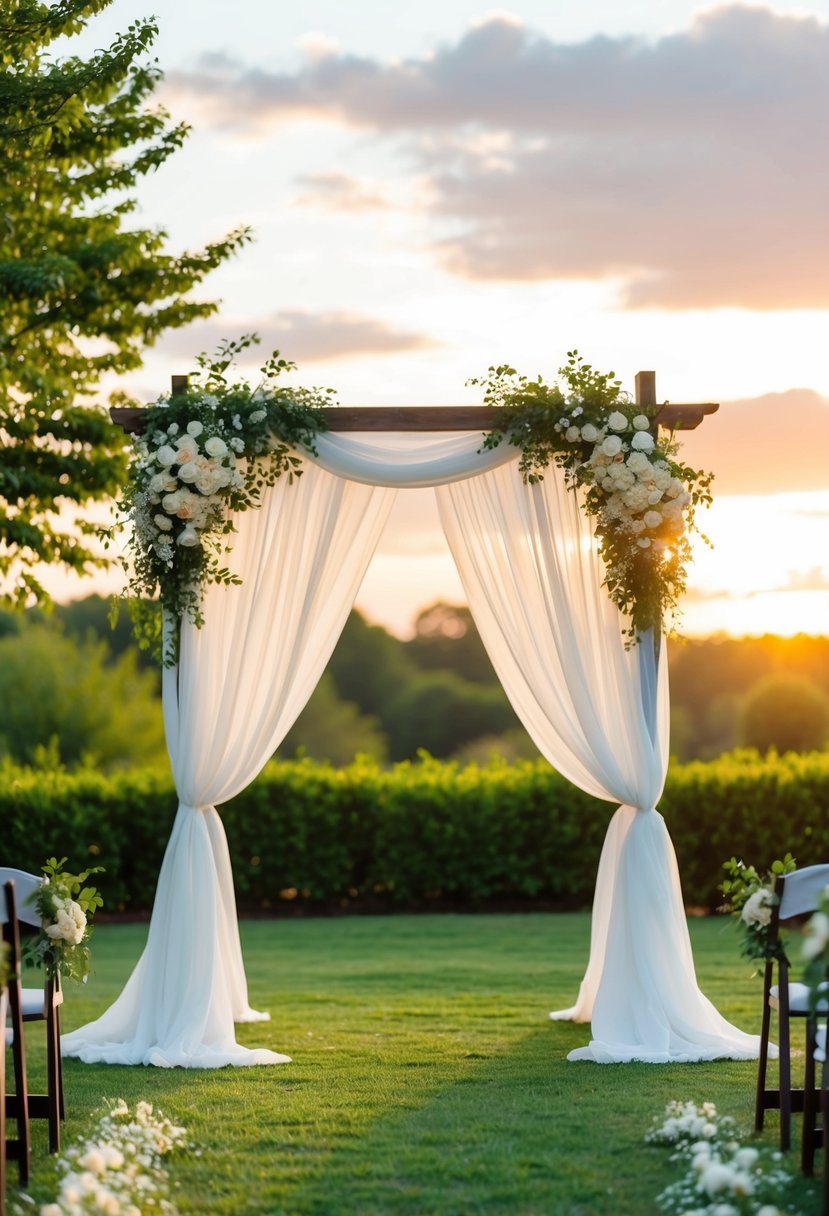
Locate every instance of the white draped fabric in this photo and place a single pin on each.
(241, 683)
(599, 713)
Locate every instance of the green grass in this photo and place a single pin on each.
(426, 1079)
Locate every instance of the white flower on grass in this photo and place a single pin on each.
(215, 446)
(817, 937)
(617, 421)
(758, 906)
(612, 445)
(642, 441)
(165, 456)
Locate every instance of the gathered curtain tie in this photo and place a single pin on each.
(189, 806)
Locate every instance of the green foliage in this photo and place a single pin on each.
(83, 292)
(750, 897)
(439, 712)
(424, 834)
(68, 699)
(786, 712)
(65, 907)
(201, 455)
(640, 496)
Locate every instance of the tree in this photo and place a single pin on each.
(81, 294)
(333, 730)
(789, 713)
(69, 700)
(446, 637)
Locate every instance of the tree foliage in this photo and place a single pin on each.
(82, 292)
(786, 712)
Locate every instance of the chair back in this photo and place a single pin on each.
(25, 887)
(800, 891)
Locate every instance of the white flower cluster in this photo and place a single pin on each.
(183, 475)
(118, 1170)
(641, 494)
(757, 908)
(686, 1123)
(69, 924)
(722, 1177)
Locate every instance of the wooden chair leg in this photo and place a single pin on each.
(17, 1104)
(3, 1007)
(810, 1103)
(52, 1083)
(61, 1105)
(824, 1106)
(785, 1063)
(762, 1064)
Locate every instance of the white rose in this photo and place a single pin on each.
(641, 422)
(644, 542)
(187, 537)
(652, 519)
(642, 441)
(172, 502)
(188, 472)
(654, 497)
(589, 433)
(161, 483)
(172, 429)
(617, 421)
(757, 908)
(194, 428)
(162, 522)
(93, 1161)
(165, 456)
(188, 449)
(572, 434)
(715, 1177)
(638, 462)
(817, 936)
(746, 1158)
(612, 445)
(215, 446)
(208, 482)
(637, 526)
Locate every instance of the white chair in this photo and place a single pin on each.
(797, 895)
(41, 1004)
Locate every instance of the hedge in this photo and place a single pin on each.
(429, 834)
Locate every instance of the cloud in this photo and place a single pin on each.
(690, 169)
(765, 445)
(305, 337)
(336, 191)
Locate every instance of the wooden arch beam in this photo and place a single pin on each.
(447, 417)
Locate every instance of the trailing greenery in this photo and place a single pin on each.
(750, 897)
(417, 835)
(641, 497)
(202, 454)
(426, 1075)
(84, 289)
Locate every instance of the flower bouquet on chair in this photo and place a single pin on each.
(66, 908)
(750, 897)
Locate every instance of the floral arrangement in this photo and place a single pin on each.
(750, 897)
(203, 454)
(66, 908)
(722, 1177)
(815, 950)
(640, 495)
(118, 1170)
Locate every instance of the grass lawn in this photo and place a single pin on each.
(426, 1076)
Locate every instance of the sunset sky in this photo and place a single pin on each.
(438, 187)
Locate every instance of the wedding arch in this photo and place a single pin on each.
(596, 707)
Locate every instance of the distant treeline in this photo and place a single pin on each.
(72, 687)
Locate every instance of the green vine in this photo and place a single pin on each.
(203, 454)
(641, 497)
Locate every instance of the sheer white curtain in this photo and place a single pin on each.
(241, 683)
(599, 713)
